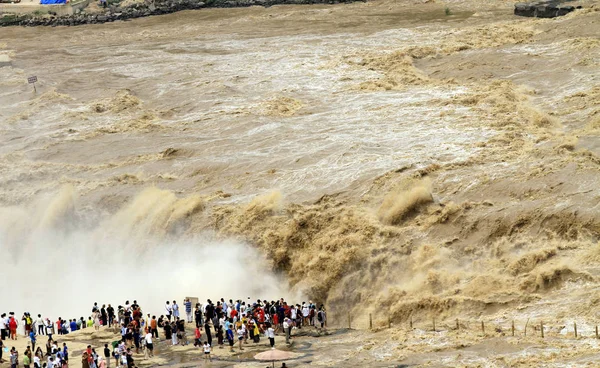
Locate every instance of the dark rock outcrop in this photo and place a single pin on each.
(145, 9)
(542, 9)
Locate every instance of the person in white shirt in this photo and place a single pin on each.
(207, 351)
(287, 327)
(222, 321)
(39, 322)
(122, 348)
(3, 326)
(36, 362)
(49, 327)
(305, 313)
(240, 333)
(54, 347)
(169, 310)
(225, 306)
(271, 336)
(149, 345)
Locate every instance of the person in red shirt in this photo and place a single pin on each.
(261, 314)
(276, 321)
(234, 313)
(90, 357)
(12, 326)
(286, 310)
(198, 337)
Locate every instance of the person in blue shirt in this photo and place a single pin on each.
(230, 338)
(65, 352)
(188, 309)
(32, 338)
(73, 325)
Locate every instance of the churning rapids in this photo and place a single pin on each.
(372, 155)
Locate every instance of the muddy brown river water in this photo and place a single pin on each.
(378, 157)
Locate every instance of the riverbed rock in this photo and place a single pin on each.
(542, 9)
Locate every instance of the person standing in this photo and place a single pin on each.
(175, 332)
(208, 333)
(230, 337)
(28, 323)
(110, 311)
(65, 353)
(3, 326)
(104, 317)
(181, 329)
(321, 316)
(168, 332)
(188, 309)
(26, 361)
(207, 351)
(107, 355)
(96, 318)
(271, 336)
(39, 324)
(220, 336)
(209, 310)
(154, 327)
(198, 316)
(33, 339)
(12, 326)
(136, 339)
(129, 356)
(175, 309)
(197, 337)
(225, 306)
(287, 327)
(14, 358)
(149, 345)
(240, 333)
(49, 328)
(169, 310)
(305, 313)
(293, 314)
(89, 357)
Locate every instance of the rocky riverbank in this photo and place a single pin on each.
(543, 9)
(145, 9)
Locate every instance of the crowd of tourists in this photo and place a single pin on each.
(54, 355)
(234, 323)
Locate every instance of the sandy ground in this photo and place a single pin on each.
(397, 346)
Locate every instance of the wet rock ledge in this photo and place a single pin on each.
(145, 9)
(543, 9)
